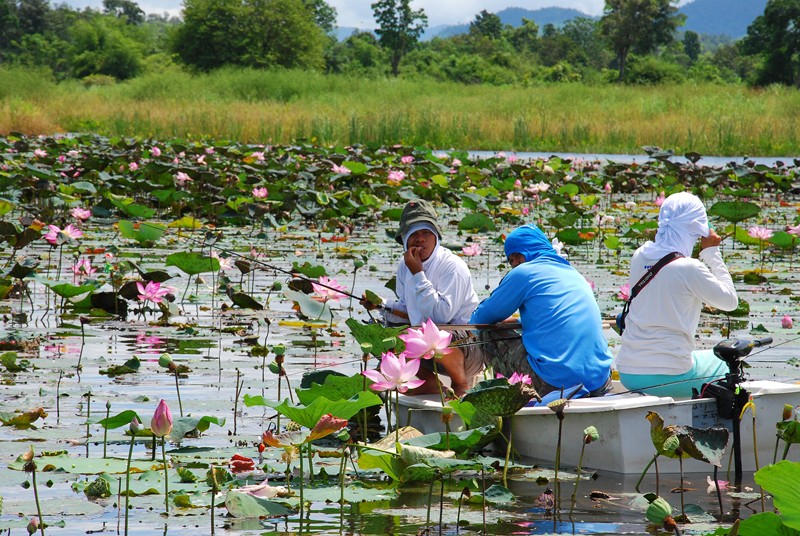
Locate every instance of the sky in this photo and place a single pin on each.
(358, 13)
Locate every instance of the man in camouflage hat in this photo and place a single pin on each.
(433, 283)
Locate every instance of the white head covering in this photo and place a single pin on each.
(681, 222)
(416, 227)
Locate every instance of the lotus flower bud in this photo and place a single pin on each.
(161, 425)
(135, 426)
(33, 525)
(164, 360)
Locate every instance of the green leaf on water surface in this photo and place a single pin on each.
(382, 339)
(784, 240)
(782, 481)
(5, 207)
(309, 307)
(129, 367)
(497, 494)
(758, 525)
(734, 211)
(117, 421)
(357, 492)
(310, 415)
(100, 487)
(242, 504)
(130, 208)
(334, 387)
(612, 242)
(187, 222)
(182, 426)
(9, 361)
(387, 463)
(183, 500)
(143, 233)
(66, 290)
(434, 467)
(24, 420)
(86, 466)
(571, 236)
(476, 222)
(192, 263)
(356, 168)
(459, 441)
(186, 475)
(245, 301)
(24, 269)
(314, 271)
(569, 190)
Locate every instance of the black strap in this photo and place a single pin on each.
(651, 273)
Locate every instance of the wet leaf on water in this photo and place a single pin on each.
(241, 504)
(129, 367)
(22, 421)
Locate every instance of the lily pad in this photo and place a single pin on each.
(497, 397)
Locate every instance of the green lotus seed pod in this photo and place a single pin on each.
(658, 511)
(279, 349)
(164, 360)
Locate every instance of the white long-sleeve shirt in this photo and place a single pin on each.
(442, 291)
(663, 317)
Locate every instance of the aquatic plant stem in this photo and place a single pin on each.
(166, 474)
(178, 392)
(36, 497)
(128, 481)
(441, 397)
(213, 495)
(300, 449)
(646, 467)
(557, 501)
(88, 416)
(441, 502)
(508, 450)
(577, 479)
(58, 396)
(397, 415)
(105, 428)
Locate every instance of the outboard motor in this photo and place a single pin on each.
(731, 397)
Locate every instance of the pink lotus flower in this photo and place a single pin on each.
(55, 233)
(326, 293)
(624, 292)
(83, 267)
(526, 211)
(80, 213)
(787, 322)
(472, 250)
(39, 153)
(155, 151)
(592, 284)
(161, 424)
(258, 155)
(263, 490)
(133, 166)
(518, 184)
(341, 170)
(396, 374)
(762, 233)
(426, 342)
(793, 230)
(396, 177)
(660, 199)
(512, 158)
(201, 159)
(260, 193)
(712, 486)
(407, 159)
(153, 291)
(225, 263)
(516, 377)
(607, 188)
(181, 178)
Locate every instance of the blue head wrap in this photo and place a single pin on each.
(531, 242)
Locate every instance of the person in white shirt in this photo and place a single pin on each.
(433, 283)
(658, 354)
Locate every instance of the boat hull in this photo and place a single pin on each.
(625, 445)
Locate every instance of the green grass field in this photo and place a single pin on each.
(279, 107)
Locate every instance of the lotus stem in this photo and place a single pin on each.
(483, 496)
(508, 450)
(441, 396)
(58, 397)
(88, 416)
(719, 493)
(237, 392)
(128, 481)
(36, 497)
(301, 481)
(310, 463)
(213, 495)
(105, 427)
(646, 468)
(396, 415)
(557, 501)
(178, 392)
(577, 479)
(428, 518)
(680, 464)
(166, 474)
(441, 502)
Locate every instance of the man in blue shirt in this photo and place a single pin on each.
(561, 325)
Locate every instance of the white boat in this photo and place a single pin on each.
(625, 445)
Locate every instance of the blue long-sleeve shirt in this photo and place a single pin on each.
(561, 325)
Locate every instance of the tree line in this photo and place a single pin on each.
(635, 41)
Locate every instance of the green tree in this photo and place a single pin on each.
(486, 24)
(124, 8)
(253, 33)
(399, 28)
(9, 25)
(324, 14)
(100, 46)
(524, 38)
(691, 45)
(774, 38)
(32, 15)
(638, 26)
(585, 33)
(359, 54)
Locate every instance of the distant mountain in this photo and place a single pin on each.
(711, 17)
(513, 16)
(722, 17)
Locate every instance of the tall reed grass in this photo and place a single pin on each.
(283, 106)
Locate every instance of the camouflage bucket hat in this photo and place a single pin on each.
(416, 212)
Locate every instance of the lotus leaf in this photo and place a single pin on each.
(66, 290)
(382, 339)
(310, 415)
(143, 233)
(477, 222)
(334, 387)
(9, 361)
(782, 481)
(192, 263)
(242, 504)
(734, 211)
(704, 444)
(182, 426)
(784, 240)
(497, 494)
(459, 442)
(24, 420)
(433, 468)
(99, 488)
(496, 397)
(309, 307)
(129, 367)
